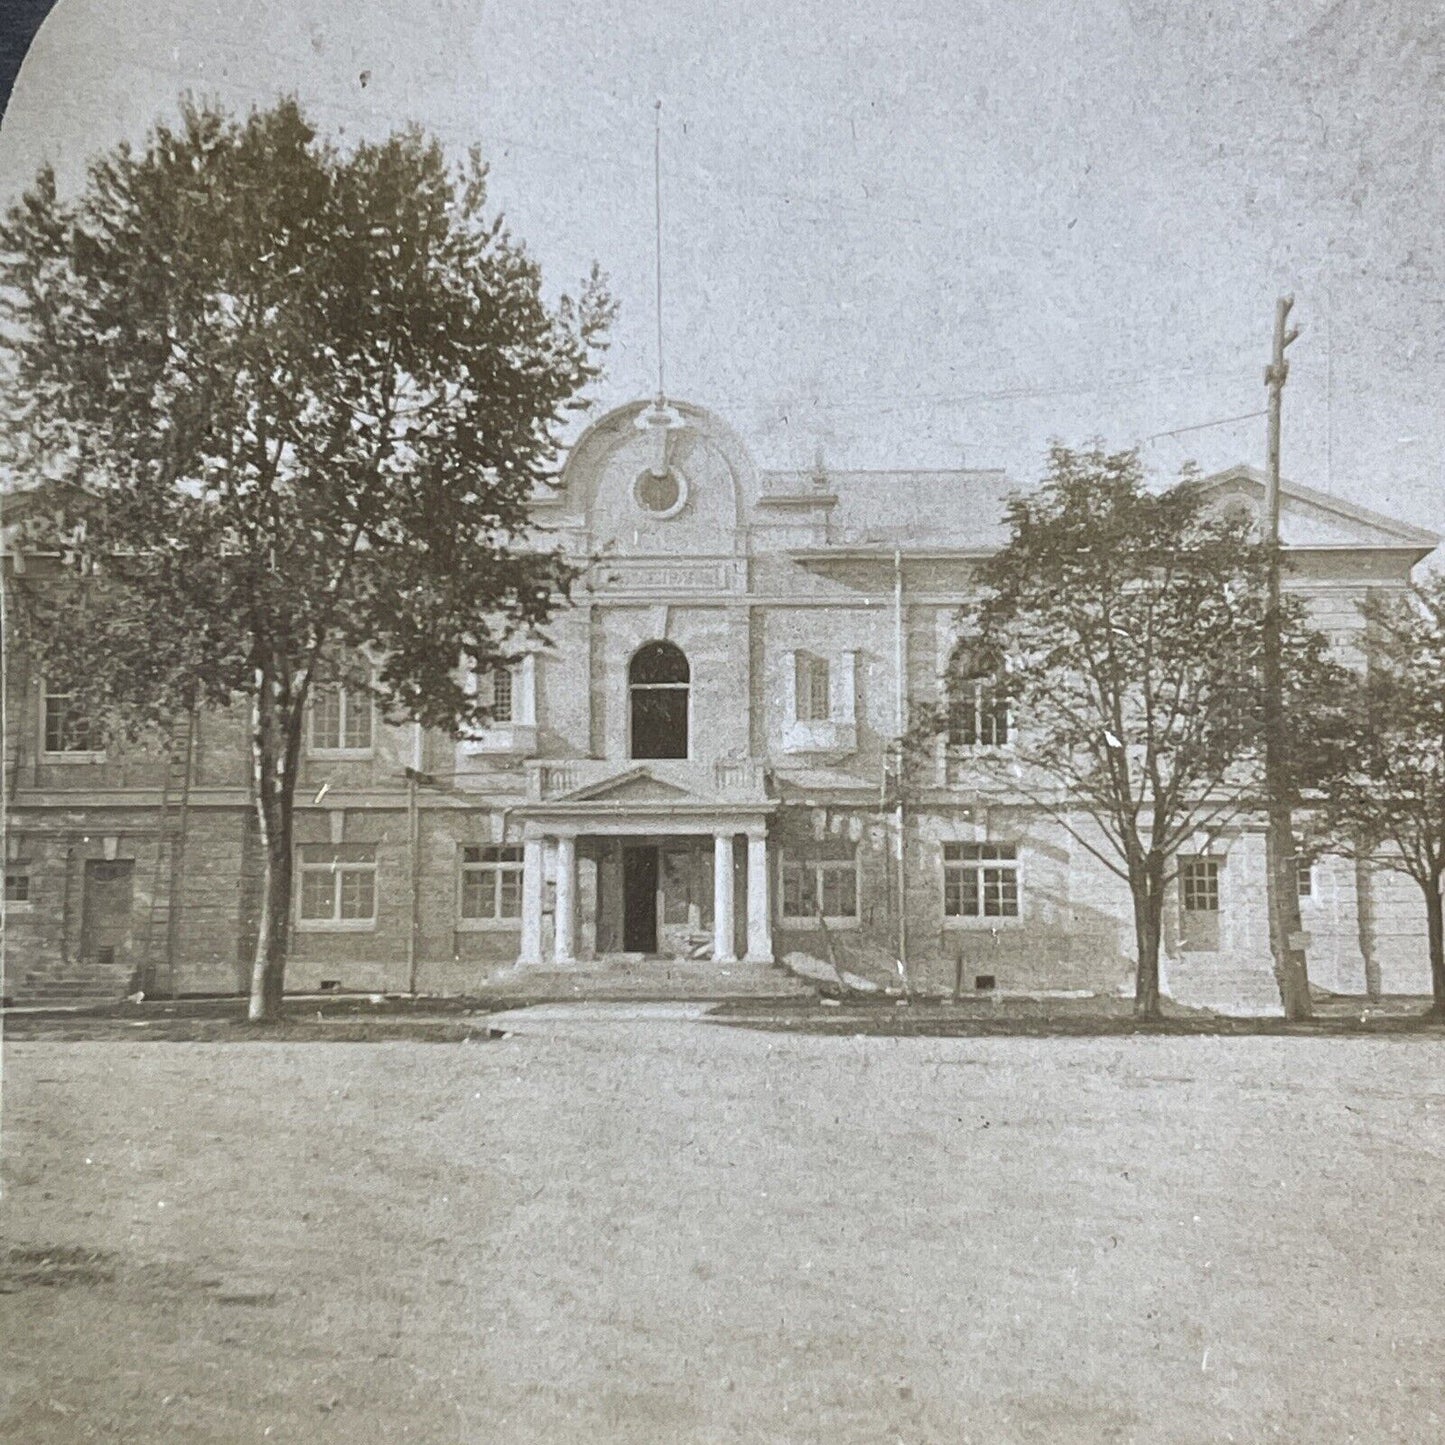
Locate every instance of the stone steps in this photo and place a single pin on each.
(627, 977)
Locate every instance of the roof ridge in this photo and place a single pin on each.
(1328, 502)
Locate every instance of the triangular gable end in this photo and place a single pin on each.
(1310, 518)
(637, 785)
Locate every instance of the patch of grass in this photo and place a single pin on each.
(53, 1267)
(303, 1023)
(1041, 1018)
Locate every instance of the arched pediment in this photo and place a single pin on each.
(643, 484)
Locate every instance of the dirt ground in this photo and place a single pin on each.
(638, 1225)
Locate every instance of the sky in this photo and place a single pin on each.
(905, 235)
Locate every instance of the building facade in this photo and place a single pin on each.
(697, 764)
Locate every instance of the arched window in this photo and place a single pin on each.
(657, 682)
(978, 711)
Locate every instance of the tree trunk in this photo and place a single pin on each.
(1146, 885)
(1436, 930)
(275, 752)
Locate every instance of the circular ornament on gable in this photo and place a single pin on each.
(660, 494)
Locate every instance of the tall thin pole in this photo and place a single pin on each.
(413, 845)
(1286, 936)
(657, 238)
(1329, 368)
(900, 676)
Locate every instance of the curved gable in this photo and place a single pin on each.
(641, 487)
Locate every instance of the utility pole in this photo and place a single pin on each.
(1286, 934)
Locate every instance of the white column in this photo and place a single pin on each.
(566, 917)
(722, 899)
(790, 689)
(525, 701)
(844, 702)
(533, 856)
(760, 917)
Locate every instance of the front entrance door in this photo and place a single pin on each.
(105, 917)
(639, 899)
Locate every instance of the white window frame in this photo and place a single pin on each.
(1213, 872)
(837, 732)
(347, 699)
(500, 675)
(516, 735)
(20, 868)
(805, 861)
(979, 865)
(61, 755)
(498, 868)
(1305, 880)
(812, 683)
(975, 685)
(338, 868)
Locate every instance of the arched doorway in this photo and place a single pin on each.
(657, 685)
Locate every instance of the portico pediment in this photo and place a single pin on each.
(1311, 519)
(596, 788)
(637, 785)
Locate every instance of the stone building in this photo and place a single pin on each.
(695, 769)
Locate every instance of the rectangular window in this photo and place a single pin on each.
(838, 888)
(17, 884)
(491, 883)
(812, 685)
(1199, 885)
(338, 884)
(502, 695)
(66, 730)
(340, 720)
(1305, 877)
(978, 714)
(814, 885)
(980, 880)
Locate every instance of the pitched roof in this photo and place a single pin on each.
(1311, 518)
(953, 509)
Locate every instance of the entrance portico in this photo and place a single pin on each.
(639, 863)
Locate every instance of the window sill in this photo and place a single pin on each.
(516, 740)
(820, 737)
(339, 755)
(489, 925)
(810, 925)
(48, 759)
(967, 923)
(336, 925)
(11, 909)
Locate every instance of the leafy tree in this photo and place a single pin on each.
(1382, 794)
(1125, 629)
(293, 403)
